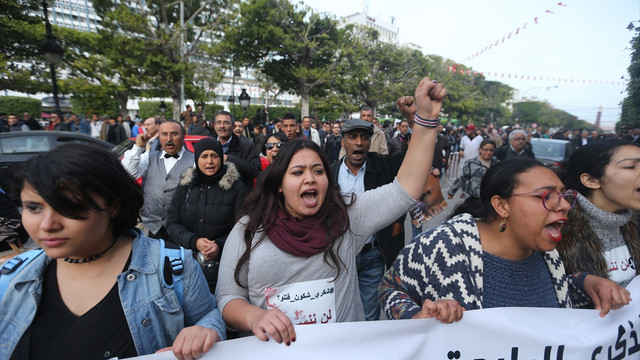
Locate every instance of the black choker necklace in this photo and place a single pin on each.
(92, 258)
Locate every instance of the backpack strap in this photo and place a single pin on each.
(13, 266)
(172, 257)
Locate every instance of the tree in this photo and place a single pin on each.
(164, 50)
(630, 118)
(296, 47)
(378, 72)
(22, 66)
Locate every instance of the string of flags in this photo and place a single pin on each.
(458, 69)
(513, 33)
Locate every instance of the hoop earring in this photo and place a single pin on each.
(503, 225)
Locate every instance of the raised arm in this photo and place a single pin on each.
(422, 111)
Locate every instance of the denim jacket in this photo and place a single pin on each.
(152, 310)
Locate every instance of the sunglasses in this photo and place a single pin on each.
(269, 146)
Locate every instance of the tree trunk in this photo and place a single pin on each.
(176, 97)
(176, 107)
(304, 103)
(123, 99)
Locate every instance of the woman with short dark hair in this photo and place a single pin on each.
(100, 282)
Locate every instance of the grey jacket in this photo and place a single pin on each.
(472, 171)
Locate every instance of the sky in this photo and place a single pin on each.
(577, 50)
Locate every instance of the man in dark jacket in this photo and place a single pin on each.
(442, 151)
(240, 151)
(360, 170)
(515, 148)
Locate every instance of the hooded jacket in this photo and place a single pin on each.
(204, 209)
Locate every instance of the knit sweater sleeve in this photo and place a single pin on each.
(435, 266)
(396, 298)
(579, 297)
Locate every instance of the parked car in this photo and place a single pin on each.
(553, 153)
(17, 147)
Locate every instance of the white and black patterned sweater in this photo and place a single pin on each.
(446, 263)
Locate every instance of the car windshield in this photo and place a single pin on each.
(549, 150)
(25, 145)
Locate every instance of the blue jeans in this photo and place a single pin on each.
(370, 272)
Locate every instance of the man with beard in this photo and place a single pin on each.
(358, 171)
(160, 170)
(238, 150)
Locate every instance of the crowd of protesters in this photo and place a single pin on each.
(266, 204)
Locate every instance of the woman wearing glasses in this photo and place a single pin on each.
(204, 207)
(602, 235)
(474, 169)
(496, 251)
(272, 145)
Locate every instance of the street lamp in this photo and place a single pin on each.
(162, 107)
(52, 52)
(234, 75)
(245, 100)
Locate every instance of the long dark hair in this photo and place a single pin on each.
(499, 180)
(263, 204)
(591, 159)
(68, 177)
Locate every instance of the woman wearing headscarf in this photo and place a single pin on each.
(204, 206)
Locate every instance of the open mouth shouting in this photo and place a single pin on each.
(555, 229)
(310, 198)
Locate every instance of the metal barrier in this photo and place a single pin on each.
(454, 166)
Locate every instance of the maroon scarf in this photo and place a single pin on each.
(298, 237)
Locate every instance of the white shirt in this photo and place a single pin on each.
(137, 163)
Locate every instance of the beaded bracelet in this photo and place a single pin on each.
(426, 123)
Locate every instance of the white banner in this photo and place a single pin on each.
(490, 334)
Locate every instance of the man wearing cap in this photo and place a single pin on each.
(469, 146)
(378, 139)
(515, 148)
(360, 170)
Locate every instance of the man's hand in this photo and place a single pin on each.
(446, 311)
(142, 140)
(407, 107)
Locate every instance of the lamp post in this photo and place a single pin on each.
(232, 98)
(52, 52)
(245, 100)
(162, 107)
